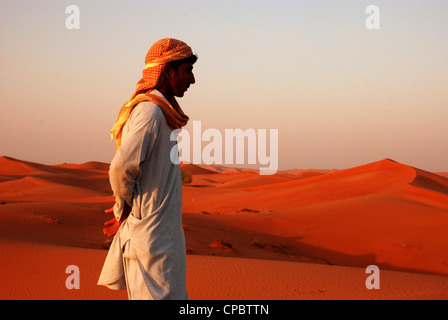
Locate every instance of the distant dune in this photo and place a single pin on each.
(298, 234)
(443, 174)
(195, 169)
(90, 166)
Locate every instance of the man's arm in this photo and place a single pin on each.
(114, 223)
(136, 145)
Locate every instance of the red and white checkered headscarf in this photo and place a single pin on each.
(162, 52)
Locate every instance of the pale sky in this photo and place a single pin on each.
(339, 94)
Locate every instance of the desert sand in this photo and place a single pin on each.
(298, 234)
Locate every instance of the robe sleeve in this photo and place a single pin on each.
(136, 146)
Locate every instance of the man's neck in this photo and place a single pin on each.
(168, 96)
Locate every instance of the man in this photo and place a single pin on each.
(147, 255)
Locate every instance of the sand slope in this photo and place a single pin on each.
(299, 234)
(383, 213)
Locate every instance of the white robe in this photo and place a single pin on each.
(147, 255)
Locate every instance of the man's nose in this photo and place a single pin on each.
(192, 79)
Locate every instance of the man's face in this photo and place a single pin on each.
(182, 79)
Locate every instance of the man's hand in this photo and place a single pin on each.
(114, 223)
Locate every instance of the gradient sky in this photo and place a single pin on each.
(339, 94)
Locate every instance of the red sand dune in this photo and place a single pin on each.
(443, 174)
(298, 234)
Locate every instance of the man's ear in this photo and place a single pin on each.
(167, 72)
